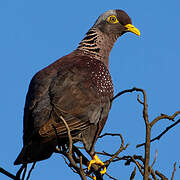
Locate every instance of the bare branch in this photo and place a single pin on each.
(95, 168)
(69, 165)
(167, 129)
(138, 99)
(69, 154)
(24, 172)
(107, 163)
(153, 174)
(133, 174)
(110, 134)
(123, 92)
(3, 171)
(160, 135)
(133, 158)
(164, 116)
(161, 175)
(126, 91)
(71, 159)
(148, 126)
(148, 134)
(138, 165)
(76, 160)
(69, 134)
(31, 170)
(110, 176)
(174, 170)
(23, 169)
(81, 171)
(114, 157)
(154, 161)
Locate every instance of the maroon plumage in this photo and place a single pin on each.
(77, 87)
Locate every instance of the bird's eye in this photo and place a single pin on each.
(112, 19)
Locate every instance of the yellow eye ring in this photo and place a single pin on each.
(112, 19)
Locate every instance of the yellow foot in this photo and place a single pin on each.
(96, 160)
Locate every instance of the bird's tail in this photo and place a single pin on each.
(34, 151)
(21, 157)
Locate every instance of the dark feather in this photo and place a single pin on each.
(72, 87)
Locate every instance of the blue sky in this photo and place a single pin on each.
(33, 34)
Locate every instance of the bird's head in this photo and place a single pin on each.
(115, 22)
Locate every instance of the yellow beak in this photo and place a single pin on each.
(132, 29)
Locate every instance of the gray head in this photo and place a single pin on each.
(100, 39)
(115, 22)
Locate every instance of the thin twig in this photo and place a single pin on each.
(174, 170)
(69, 154)
(110, 176)
(148, 130)
(22, 168)
(133, 158)
(138, 165)
(138, 99)
(148, 134)
(69, 165)
(124, 92)
(30, 171)
(78, 152)
(133, 174)
(153, 174)
(69, 134)
(81, 162)
(3, 171)
(95, 168)
(114, 157)
(161, 175)
(153, 161)
(167, 129)
(74, 165)
(110, 134)
(119, 150)
(164, 116)
(148, 126)
(81, 168)
(24, 172)
(161, 134)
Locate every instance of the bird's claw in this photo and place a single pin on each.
(96, 160)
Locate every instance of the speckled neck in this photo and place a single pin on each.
(98, 45)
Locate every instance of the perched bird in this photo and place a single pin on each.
(77, 88)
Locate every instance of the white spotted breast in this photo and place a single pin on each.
(100, 77)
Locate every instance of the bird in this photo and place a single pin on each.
(77, 89)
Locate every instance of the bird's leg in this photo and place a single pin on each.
(96, 160)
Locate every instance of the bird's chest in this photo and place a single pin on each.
(100, 77)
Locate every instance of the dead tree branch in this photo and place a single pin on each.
(21, 170)
(162, 133)
(164, 116)
(154, 161)
(174, 170)
(133, 174)
(161, 175)
(147, 169)
(115, 155)
(78, 162)
(8, 174)
(30, 171)
(147, 124)
(69, 154)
